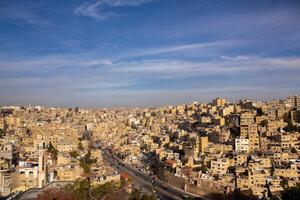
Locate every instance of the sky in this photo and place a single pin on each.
(144, 53)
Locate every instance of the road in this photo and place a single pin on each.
(162, 189)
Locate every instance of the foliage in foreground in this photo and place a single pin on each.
(83, 190)
(293, 193)
(137, 194)
(80, 190)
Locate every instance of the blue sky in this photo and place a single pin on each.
(93, 53)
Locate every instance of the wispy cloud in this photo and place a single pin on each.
(225, 65)
(52, 62)
(95, 10)
(118, 3)
(92, 59)
(128, 63)
(21, 13)
(112, 71)
(92, 10)
(113, 82)
(201, 47)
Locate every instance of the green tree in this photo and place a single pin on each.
(1, 133)
(86, 162)
(293, 150)
(53, 151)
(290, 127)
(74, 154)
(55, 194)
(100, 191)
(264, 123)
(82, 190)
(80, 146)
(86, 167)
(293, 193)
(203, 167)
(137, 194)
(238, 195)
(79, 189)
(259, 111)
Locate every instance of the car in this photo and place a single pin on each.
(185, 196)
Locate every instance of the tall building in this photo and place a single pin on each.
(219, 121)
(294, 101)
(5, 179)
(203, 143)
(42, 179)
(254, 142)
(246, 118)
(241, 145)
(219, 102)
(295, 116)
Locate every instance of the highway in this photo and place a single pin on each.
(150, 185)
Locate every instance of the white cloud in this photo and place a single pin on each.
(93, 10)
(226, 65)
(117, 80)
(162, 68)
(52, 62)
(118, 3)
(202, 47)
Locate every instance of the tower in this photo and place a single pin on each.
(42, 178)
(203, 143)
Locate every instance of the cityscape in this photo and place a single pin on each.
(149, 100)
(188, 151)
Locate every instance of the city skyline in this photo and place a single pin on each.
(147, 52)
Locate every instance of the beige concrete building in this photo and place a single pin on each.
(219, 102)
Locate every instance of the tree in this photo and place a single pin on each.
(55, 194)
(123, 181)
(203, 167)
(264, 123)
(83, 190)
(74, 154)
(80, 189)
(238, 195)
(231, 170)
(259, 111)
(272, 170)
(86, 167)
(290, 127)
(80, 146)
(86, 162)
(293, 150)
(53, 151)
(137, 194)
(100, 191)
(187, 171)
(1, 133)
(293, 193)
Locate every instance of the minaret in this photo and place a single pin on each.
(42, 165)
